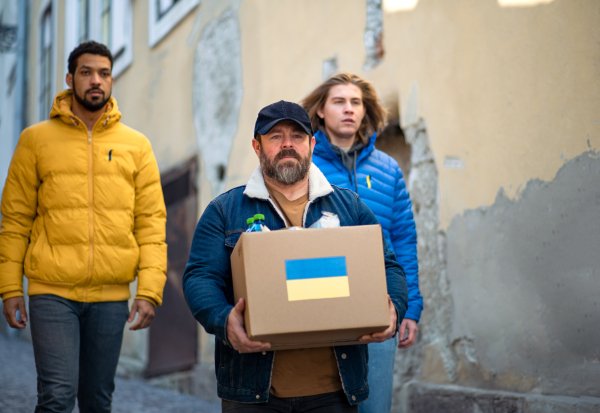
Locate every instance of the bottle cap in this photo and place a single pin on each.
(249, 221)
(259, 216)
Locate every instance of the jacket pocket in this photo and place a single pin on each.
(67, 226)
(36, 249)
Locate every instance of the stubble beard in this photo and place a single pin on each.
(92, 106)
(288, 172)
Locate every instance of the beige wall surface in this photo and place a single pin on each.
(154, 93)
(283, 46)
(511, 92)
(508, 91)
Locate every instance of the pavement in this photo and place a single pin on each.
(18, 387)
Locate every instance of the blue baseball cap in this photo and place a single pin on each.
(271, 115)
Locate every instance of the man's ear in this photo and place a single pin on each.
(256, 146)
(69, 80)
(320, 113)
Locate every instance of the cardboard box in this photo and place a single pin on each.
(313, 287)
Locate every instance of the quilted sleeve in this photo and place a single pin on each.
(150, 228)
(19, 206)
(394, 273)
(404, 240)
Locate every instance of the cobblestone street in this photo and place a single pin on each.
(18, 387)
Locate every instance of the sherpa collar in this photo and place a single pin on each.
(318, 186)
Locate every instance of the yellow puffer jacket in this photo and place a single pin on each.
(83, 214)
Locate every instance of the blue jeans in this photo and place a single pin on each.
(381, 377)
(335, 402)
(76, 347)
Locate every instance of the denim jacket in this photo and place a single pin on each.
(208, 288)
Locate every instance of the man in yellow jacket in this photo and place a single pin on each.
(82, 215)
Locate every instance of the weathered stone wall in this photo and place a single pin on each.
(373, 35)
(431, 355)
(217, 95)
(525, 278)
(515, 307)
(419, 397)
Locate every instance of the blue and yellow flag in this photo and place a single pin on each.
(315, 278)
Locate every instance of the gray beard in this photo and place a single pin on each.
(286, 173)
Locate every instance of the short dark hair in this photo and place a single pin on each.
(90, 47)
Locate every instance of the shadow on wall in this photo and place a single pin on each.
(393, 142)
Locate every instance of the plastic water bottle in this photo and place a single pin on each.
(259, 225)
(249, 223)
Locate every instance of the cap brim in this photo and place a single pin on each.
(265, 129)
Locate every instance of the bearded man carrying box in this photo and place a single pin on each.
(289, 191)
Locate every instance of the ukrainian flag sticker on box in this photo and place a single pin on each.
(315, 278)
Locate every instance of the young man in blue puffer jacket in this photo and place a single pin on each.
(345, 111)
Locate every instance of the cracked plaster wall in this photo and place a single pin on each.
(431, 357)
(217, 96)
(525, 278)
(330, 66)
(511, 290)
(373, 35)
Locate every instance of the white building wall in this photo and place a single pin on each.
(8, 88)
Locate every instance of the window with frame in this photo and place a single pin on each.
(164, 6)
(105, 23)
(46, 47)
(164, 15)
(113, 27)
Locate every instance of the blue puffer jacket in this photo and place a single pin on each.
(381, 186)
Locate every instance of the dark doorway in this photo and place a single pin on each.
(391, 140)
(173, 342)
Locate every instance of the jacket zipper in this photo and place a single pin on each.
(91, 213)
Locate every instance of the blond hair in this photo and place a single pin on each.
(375, 114)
